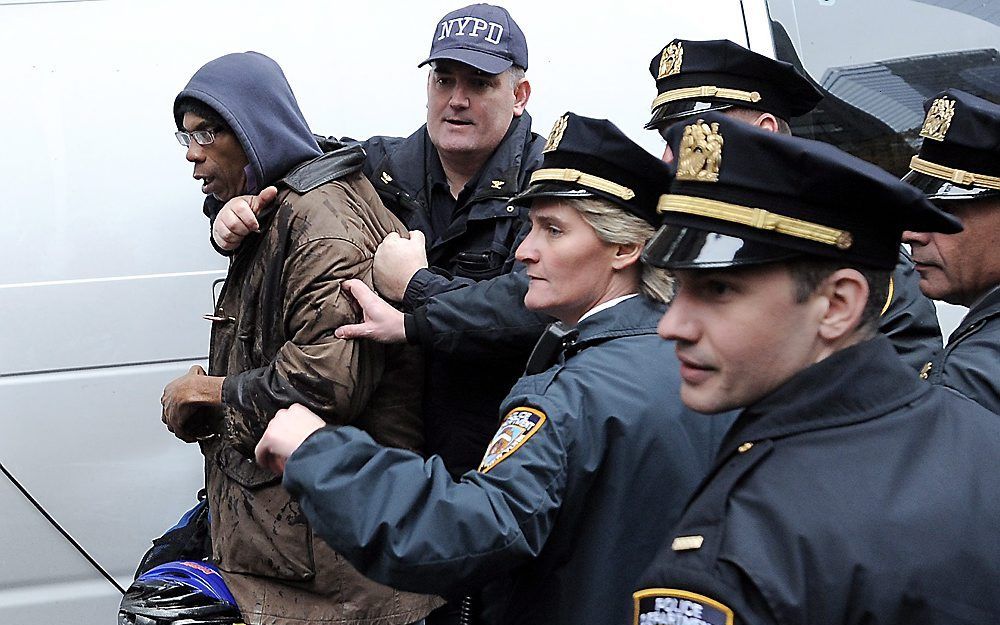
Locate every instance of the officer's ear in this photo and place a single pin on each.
(626, 255)
(845, 292)
(768, 122)
(522, 91)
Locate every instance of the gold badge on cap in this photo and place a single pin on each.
(938, 119)
(556, 135)
(670, 61)
(700, 153)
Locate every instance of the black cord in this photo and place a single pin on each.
(62, 531)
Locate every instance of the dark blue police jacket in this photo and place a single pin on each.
(970, 363)
(593, 461)
(855, 493)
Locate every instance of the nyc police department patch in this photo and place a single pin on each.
(667, 606)
(518, 426)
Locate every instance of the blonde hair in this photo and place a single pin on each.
(615, 225)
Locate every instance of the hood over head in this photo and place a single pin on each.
(251, 93)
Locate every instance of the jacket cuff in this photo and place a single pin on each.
(231, 387)
(420, 288)
(410, 327)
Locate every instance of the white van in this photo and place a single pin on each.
(105, 264)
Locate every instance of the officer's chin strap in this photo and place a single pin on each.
(62, 531)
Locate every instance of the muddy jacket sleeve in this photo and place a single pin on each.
(405, 522)
(333, 377)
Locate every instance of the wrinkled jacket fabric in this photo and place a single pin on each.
(273, 341)
(560, 528)
(970, 363)
(463, 392)
(853, 494)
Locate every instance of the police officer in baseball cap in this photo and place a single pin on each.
(825, 501)
(693, 77)
(958, 167)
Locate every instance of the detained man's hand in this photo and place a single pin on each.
(284, 434)
(238, 218)
(396, 260)
(382, 322)
(183, 400)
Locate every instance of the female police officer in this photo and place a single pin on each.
(595, 454)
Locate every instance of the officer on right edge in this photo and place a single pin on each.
(693, 77)
(847, 490)
(958, 167)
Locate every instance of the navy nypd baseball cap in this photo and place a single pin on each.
(481, 35)
(745, 196)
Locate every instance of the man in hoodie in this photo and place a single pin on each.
(272, 342)
(451, 181)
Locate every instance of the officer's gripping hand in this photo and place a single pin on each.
(238, 218)
(382, 322)
(284, 434)
(396, 260)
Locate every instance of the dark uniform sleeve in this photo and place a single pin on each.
(405, 522)
(973, 369)
(911, 321)
(487, 318)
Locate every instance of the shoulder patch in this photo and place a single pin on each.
(662, 606)
(518, 426)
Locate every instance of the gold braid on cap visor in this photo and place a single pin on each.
(956, 176)
(587, 180)
(691, 93)
(755, 218)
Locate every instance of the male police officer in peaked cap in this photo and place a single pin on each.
(693, 77)
(958, 167)
(847, 491)
(595, 454)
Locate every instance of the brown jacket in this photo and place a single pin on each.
(280, 305)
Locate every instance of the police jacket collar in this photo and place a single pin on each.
(634, 316)
(987, 306)
(851, 386)
(497, 178)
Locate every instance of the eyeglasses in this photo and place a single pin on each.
(201, 137)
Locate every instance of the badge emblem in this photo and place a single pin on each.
(670, 61)
(556, 135)
(518, 426)
(667, 605)
(938, 119)
(496, 184)
(701, 153)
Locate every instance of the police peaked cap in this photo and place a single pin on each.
(699, 76)
(960, 155)
(745, 196)
(586, 157)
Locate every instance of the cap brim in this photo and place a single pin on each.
(549, 190)
(682, 247)
(940, 189)
(670, 112)
(483, 61)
